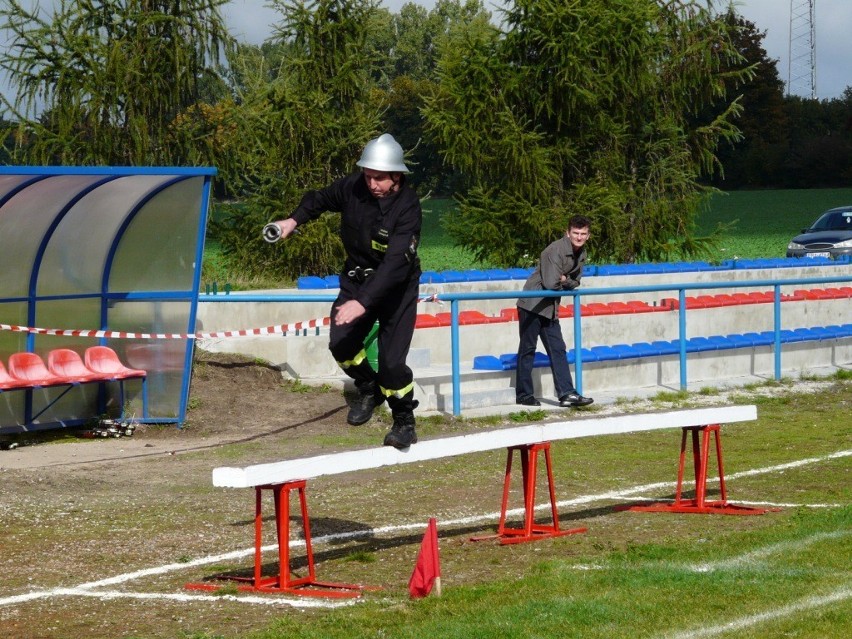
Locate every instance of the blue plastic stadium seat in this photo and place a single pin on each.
(700, 344)
(806, 334)
(722, 342)
(789, 336)
(587, 355)
(540, 359)
(431, 277)
(644, 349)
(509, 361)
(740, 341)
(333, 281)
(519, 273)
(487, 363)
(764, 338)
(666, 347)
(605, 353)
(498, 274)
(454, 276)
(822, 332)
(311, 282)
(626, 351)
(616, 269)
(475, 275)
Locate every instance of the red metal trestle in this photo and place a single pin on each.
(529, 467)
(700, 455)
(283, 582)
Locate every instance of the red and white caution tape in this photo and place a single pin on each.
(280, 329)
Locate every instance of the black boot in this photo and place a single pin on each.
(361, 408)
(402, 433)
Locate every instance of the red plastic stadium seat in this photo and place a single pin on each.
(63, 362)
(104, 361)
(30, 368)
(469, 317)
(761, 297)
(510, 314)
(619, 308)
(7, 382)
(596, 308)
(638, 306)
(669, 303)
(694, 302)
(424, 320)
(566, 310)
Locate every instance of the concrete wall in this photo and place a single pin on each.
(306, 356)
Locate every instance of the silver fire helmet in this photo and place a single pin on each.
(383, 154)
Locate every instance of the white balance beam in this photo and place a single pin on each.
(336, 463)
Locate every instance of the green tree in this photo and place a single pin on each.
(406, 47)
(586, 107)
(100, 82)
(820, 142)
(755, 159)
(299, 131)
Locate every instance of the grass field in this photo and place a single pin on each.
(767, 220)
(783, 574)
(104, 552)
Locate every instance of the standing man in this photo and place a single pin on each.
(560, 269)
(380, 229)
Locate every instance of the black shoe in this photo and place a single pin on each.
(402, 434)
(361, 409)
(528, 401)
(574, 400)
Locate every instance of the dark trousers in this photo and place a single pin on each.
(531, 327)
(396, 317)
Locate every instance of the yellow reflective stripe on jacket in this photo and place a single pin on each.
(360, 357)
(378, 246)
(402, 392)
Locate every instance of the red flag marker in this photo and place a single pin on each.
(427, 570)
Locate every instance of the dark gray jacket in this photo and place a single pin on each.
(557, 259)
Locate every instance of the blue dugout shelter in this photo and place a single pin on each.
(109, 249)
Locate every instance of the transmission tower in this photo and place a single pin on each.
(801, 72)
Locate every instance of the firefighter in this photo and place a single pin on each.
(380, 229)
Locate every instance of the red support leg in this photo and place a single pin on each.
(283, 582)
(700, 455)
(529, 468)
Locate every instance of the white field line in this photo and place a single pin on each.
(803, 605)
(212, 559)
(751, 558)
(741, 502)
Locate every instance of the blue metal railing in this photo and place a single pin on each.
(577, 294)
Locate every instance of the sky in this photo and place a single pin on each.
(250, 22)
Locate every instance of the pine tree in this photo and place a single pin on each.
(584, 107)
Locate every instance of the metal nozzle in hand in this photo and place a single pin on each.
(271, 232)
